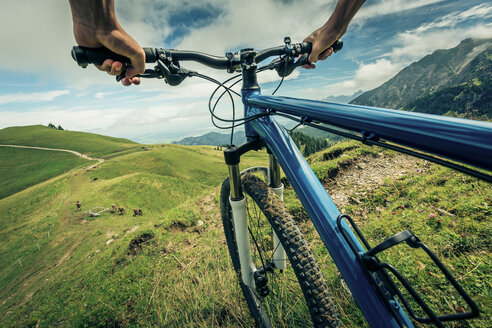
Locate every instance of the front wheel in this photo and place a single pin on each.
(296, 296)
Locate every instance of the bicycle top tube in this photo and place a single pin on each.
(467, 141)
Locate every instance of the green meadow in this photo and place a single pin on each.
(90, 144)
(22, 168)
(170, 267)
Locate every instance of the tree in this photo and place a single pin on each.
(311, 145)
(60, 127)
(51, 125)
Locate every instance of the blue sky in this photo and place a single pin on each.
(39, 83)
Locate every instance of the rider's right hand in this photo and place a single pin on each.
(95, 25)
(321, 39)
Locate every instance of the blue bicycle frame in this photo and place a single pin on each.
(459, 139)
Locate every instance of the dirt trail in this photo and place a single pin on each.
(369, 173)
(100, 160)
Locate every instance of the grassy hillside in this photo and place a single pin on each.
(22, 168)
(86, 143)
(61, 268)
(170, 267)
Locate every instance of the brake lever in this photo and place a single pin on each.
(285, 65)
(285, 68)
(163, 71)
(148, 74)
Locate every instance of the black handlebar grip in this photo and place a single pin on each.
(307, 47)
(337, 46)
(85, 56)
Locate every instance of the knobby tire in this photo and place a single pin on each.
(322, 308)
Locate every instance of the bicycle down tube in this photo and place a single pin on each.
(323, 214)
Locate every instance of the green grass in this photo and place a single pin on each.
(448, 211)
(22, 168)
(59, 268)
(86, 143)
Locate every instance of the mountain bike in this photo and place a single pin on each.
(277, 272)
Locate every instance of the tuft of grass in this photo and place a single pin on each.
(327, 163)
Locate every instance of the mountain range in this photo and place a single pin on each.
(345, 99)
(454, 82)
(213, 139)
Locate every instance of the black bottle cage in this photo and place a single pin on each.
(378, 272)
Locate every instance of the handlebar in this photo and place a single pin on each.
(168, 59)
(84, 56)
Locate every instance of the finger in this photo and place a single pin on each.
(313, 57)
(135, 80)
(126, 81)
(309, 66)
(106, 65)
(325, 54)
(116, 68)
(131, 72)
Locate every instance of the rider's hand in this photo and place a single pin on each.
(332, 30)
(95, 25)
(321, 39)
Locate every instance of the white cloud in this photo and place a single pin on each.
(36, 36)
(482, 11)
(411, 45)
(32, 97)
(80, 120)
(386, 7)
(441, 33)
(367, 77)
(265, 26)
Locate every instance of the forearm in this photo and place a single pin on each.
(345, 10)
(98, 15)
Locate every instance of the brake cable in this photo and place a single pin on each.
(173, 74)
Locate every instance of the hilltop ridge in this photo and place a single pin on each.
(82, 142)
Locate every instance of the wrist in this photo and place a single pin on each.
(332, 30)
(95, 15)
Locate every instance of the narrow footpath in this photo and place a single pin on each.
(100, 160)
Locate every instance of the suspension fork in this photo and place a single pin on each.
(237, 200)
(238, 206)
(279, 257)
